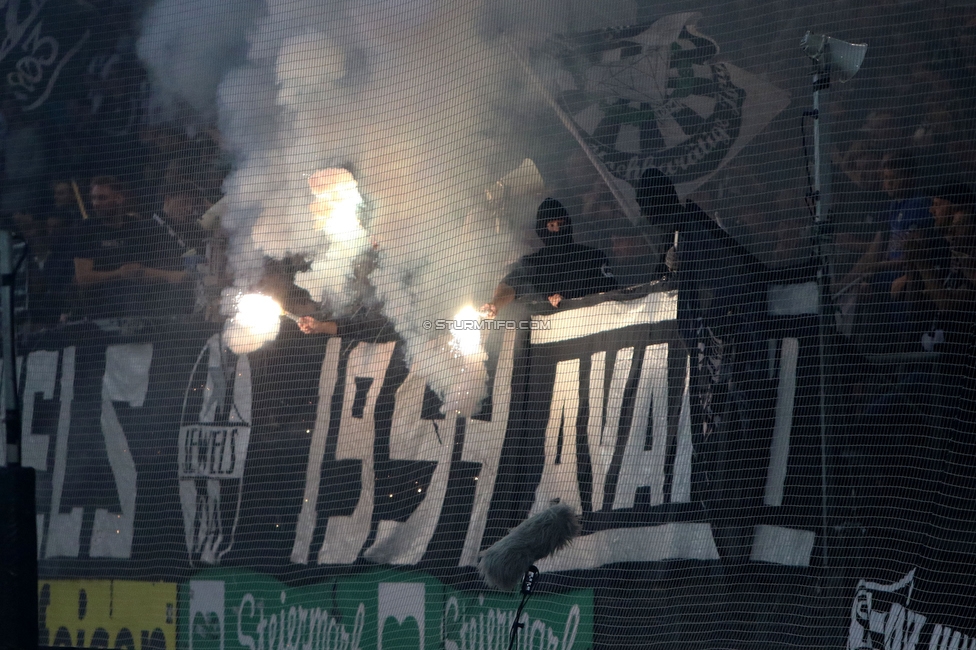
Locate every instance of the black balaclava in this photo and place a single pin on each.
(549, 210)
(657, 198)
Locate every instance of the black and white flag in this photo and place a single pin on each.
(651, 96)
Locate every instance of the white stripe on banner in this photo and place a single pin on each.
(674, 541)
(793, 299)
(681, 487)
(577, 323)
(559, 479)
(345, 535)
(307, 518)
(483, 444)
(787, 546)
(780, 450)
(601, 429)
(640, 467)
(64, 530)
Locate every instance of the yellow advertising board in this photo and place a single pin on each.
(107, 614)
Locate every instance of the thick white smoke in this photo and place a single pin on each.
(421, 101)
(189, 46)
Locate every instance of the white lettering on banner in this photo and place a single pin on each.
(126, 380)
(42, 373)
(214, 453)
(483, 443)
(305, 526)
(681, 485)
(780, 450)
(602, 427)
(661, 417)
(559, 478)
(899, 628)
(881, 618)
(945, 638)
(264, 625)
(642, 468)
(64, 529)
(490, 629)
(412, 438)
(345, 536)
(559, 474)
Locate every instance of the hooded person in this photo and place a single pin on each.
(561, 269)
(714, 271)
(720, 302)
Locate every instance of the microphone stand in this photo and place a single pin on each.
(528, 583)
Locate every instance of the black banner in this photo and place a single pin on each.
(709, 489)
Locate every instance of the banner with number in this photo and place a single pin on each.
(318, 457)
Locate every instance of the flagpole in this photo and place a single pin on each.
(632, 215)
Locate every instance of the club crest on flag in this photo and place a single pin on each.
(214, 436)
(652, 96)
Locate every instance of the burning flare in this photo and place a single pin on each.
(466, 333)
(258, 313)
(255, 323)
(336, 204)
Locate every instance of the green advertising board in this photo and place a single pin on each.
(381, 609)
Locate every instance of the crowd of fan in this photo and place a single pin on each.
(109, 198)
(104, 246)
(917, 272)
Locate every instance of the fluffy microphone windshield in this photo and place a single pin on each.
(503, 565)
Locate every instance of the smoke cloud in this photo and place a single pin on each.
(420, 101)
(189, 45)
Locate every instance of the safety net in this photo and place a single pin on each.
(664, 308)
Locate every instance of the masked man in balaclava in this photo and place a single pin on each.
(559, 270)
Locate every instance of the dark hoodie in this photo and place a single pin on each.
(717, 279)
(560, 266)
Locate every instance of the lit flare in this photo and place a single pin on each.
(258, 313)
(336, 204)
(466, 333)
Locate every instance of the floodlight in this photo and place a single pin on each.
(844, 58)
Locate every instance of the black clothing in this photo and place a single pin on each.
(550, 210)
(141, 241)
(368, 325)
(717, 279)
(571, 270)
(70, 215)
(189, 237)
(50, 283)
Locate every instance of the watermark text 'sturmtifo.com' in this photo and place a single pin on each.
(486, 324)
